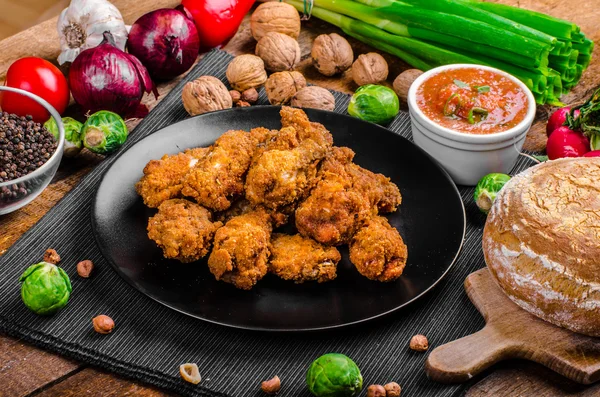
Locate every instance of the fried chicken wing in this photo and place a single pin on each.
(305, 129)
(280, 178)
(182, 229)
(162, 178)
(241, 249)
(302, 259)
(345, 196)
(217, 178)
(378, 251)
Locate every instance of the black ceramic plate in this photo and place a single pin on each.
(431, 220)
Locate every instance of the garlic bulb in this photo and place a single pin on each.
(82, 25)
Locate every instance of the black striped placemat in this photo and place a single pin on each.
(151, 341)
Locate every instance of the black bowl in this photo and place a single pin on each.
(431, 221)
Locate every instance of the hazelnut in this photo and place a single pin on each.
(282, 86)
(375, 391)
(331, 54)
(205, 94)
(250, 95)
(235, 96)
(419, 343)
(271, 386)
(85, 268)
(103, 324)
(392, 389)
(403, 82)
(278, 51)
(190, 373)
(275, 17)
(242, 104)
(314, 97)
(369, 68)
(246, 71)
(51, 256)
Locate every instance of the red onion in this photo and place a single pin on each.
(165, 41)
(106, 78)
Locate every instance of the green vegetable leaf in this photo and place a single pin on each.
(461, 84)
(540, 158)
(482, 89)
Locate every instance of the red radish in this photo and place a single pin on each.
(558, 118)
(593, 153)
(564, 142)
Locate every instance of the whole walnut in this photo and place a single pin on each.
(205, 94)
(314, 97)
(275, 17)
(369, 68)
(246, 71)
(331, 54)
(282, 86)
(278, 51)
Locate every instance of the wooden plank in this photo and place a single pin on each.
(94, 382)
(521, 378)
(24, 368)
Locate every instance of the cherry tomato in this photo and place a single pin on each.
(41, 78)
(564, 142)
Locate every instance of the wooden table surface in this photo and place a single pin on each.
(26, 370)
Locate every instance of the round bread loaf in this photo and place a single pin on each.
(542, 242)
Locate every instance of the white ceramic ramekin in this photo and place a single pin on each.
(468, 157)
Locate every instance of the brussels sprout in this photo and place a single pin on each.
(104, 132)
(487, 188)
(46, 288)
(374, 103)
(72, 134)
(334, 375)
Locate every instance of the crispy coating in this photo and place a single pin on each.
(298, 120)
(377, 188)
(280, 178)
(241, 249)
(218, 177)
(162, 178)
(378, 251)
(182, 229)
(302, 259)
(243, 206)
(344, 198)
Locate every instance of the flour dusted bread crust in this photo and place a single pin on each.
(542, 242)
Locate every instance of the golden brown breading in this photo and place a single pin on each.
(333, 211)
(218, 177)
(280, 178)
(298, 120)
(241, 249)
(182, 229)
(378, 251)
(162, 178)
(302, 259)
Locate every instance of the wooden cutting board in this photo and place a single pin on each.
(511, 332)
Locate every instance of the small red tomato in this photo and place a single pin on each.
(41, 78)
(593, 153)
(564, 142)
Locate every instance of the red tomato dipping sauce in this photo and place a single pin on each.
(473, 101)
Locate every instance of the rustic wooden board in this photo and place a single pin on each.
(511, 332)
(42, 40)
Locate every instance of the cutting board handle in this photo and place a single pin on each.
(462, 359)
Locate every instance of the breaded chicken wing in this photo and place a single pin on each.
(305, 129)
(302, 259)
(182, 229)
(280, 178)
(378, 251)
(162, 178)
(241, 249)
(345, 196)
(217, 178)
